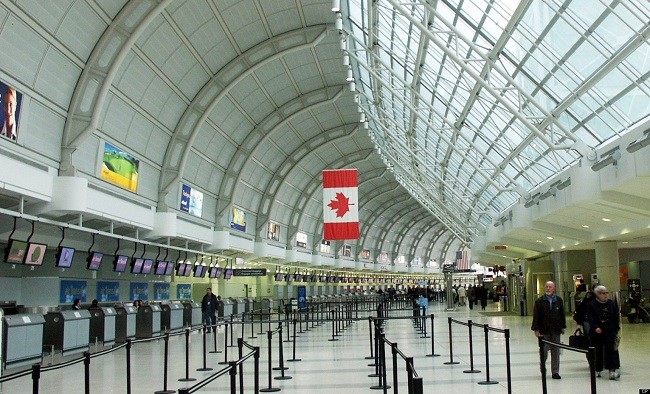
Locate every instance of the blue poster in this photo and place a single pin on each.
(160, 291)
(184, 291)
(185, 198)
(108, 291)
(302, 298)
(71, 290)
(139, 291)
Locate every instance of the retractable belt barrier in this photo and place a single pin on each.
(591, 359)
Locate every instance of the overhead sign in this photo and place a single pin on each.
(302, 298)
(249, 272)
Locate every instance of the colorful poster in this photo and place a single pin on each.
(139, 291)
(108, 291)
(119, 168)
(184, 291)
(71, 290)
(10, 114)
(191, 200)
(160, 291)
(238, 219)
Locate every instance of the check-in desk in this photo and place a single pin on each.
(148, 321)
(192, 316)
(22, 340)
(125, 323)
(102, 325)
(67, 331)
(227, 308)
(172, 316)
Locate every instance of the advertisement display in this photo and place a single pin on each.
(108, 291)
(365, 254)
(184, 291)
(10, 115)
(139, 291)
(302, 298)
(71, 290)
(301, 240)
(273, 231)
(119, 168)
(191, 200)
(238, 219)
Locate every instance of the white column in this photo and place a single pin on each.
(607, 265)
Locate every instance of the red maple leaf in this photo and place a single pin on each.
(341, 205)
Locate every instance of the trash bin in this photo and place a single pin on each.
(102, 325)
(172, 316)
(22, 340)
(147, 321)
(67, 331)
(192, 315)
(125, 323)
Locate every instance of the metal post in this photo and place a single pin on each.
(187, 358)
(542, 364)
(293, 358)
(333, 328)
(205, 351)
(371, 344)
(509, 376)
(128, 366)
(233, 377)
(225, 346)
(433, 351)
(87, 372)
(487, 359)
(270, 389)
(165, 368)
(36, 376)
(471, 351)
(281, 368)
(451, 346)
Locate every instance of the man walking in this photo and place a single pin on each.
(549, 323)
(209, 307)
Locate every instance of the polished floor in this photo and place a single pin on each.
(329, 366)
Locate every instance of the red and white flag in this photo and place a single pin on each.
(340, 204)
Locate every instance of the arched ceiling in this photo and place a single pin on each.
(469, 106)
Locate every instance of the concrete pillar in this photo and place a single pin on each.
(607, 265)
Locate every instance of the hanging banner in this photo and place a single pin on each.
(340, 204)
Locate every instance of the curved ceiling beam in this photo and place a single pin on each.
(417, 236)
(379, 211)
(403, 223)
(262, 131)
(391, 222)
(433, 241)
(99, 73)
(216, 89)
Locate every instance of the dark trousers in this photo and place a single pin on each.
(605, 352)
(210, 319)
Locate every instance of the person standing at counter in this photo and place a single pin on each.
(76, 304)
(209, 309)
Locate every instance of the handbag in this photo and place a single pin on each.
(579, 340)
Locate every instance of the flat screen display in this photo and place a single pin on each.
(95, 260)
(180, 269)
(64, 257)
(298, 277)
(199, 271)
(170, 268)
(120, 263)
(35, 254)
(279, 276)
(215, 272)
(136, 268)
(291, 277)
(161, 267)
(15, 252)
(147, 265)
(188, 269)
(228, 273)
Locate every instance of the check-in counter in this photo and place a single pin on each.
(22, 340)
(227, 308)
(172, 316)
(238, 306)
(102, 325)
(192, 315)
(248, 305)
(67, 331)
(125, 323)
(148, 321)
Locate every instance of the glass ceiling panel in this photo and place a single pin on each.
(481, 129)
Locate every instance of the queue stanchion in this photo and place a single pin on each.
(393, 352)
(256, 369)
(375, 362)
(451, 347)
(333, 328)
(233, 377)
(293, 358)
(262, 314)
(281, 367)
(542, 364)
(381, 365)
(423, 323)
(286, 321)
(270, 389)
(371, 343)
(187, 358)
(205, 351)
(225, 346)
(36, 377)
(240, 346)
(128, 366)
(487, 359)
(252, 336)
(232, 335)
(165, 368)
(471, 351)
(87, 372)
(433, 350)
(508, 375)
(214, 337)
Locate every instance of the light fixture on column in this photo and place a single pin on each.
(356, 98)
(353, 87)
(365, 125)
(346, 59)
(338, 24)
(609, 159)
(336, 6)
(362, 119)
(350, 77)
(638, 144)
(343, 42)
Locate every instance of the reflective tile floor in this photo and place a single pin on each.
(340, 366)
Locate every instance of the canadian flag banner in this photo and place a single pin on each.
(340, 204)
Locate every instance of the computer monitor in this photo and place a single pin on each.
(15, 252)
(199, 271)
(35, 253)
(161, 267)
(188, 269)
(95, 260)
(228, 273)
(170, 268)
(147, 265)
(64, 257)
(120, 263)
(180, 269)
(136, 267)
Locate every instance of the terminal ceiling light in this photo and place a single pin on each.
(549, 237)
(609, 159)
(640, 143)
(336, 6)
(607, 220)
(350, 77)
(353, 87)
(338, 24)
(585, 226)
(346, 59)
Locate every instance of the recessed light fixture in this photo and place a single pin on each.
(538, 241)
(607, 220)
(585, 226)
(549, 237)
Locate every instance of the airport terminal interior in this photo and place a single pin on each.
(152, 149)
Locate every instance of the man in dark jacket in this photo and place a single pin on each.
(209, 308)
(549, 323)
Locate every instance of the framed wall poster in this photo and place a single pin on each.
(119, 168)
